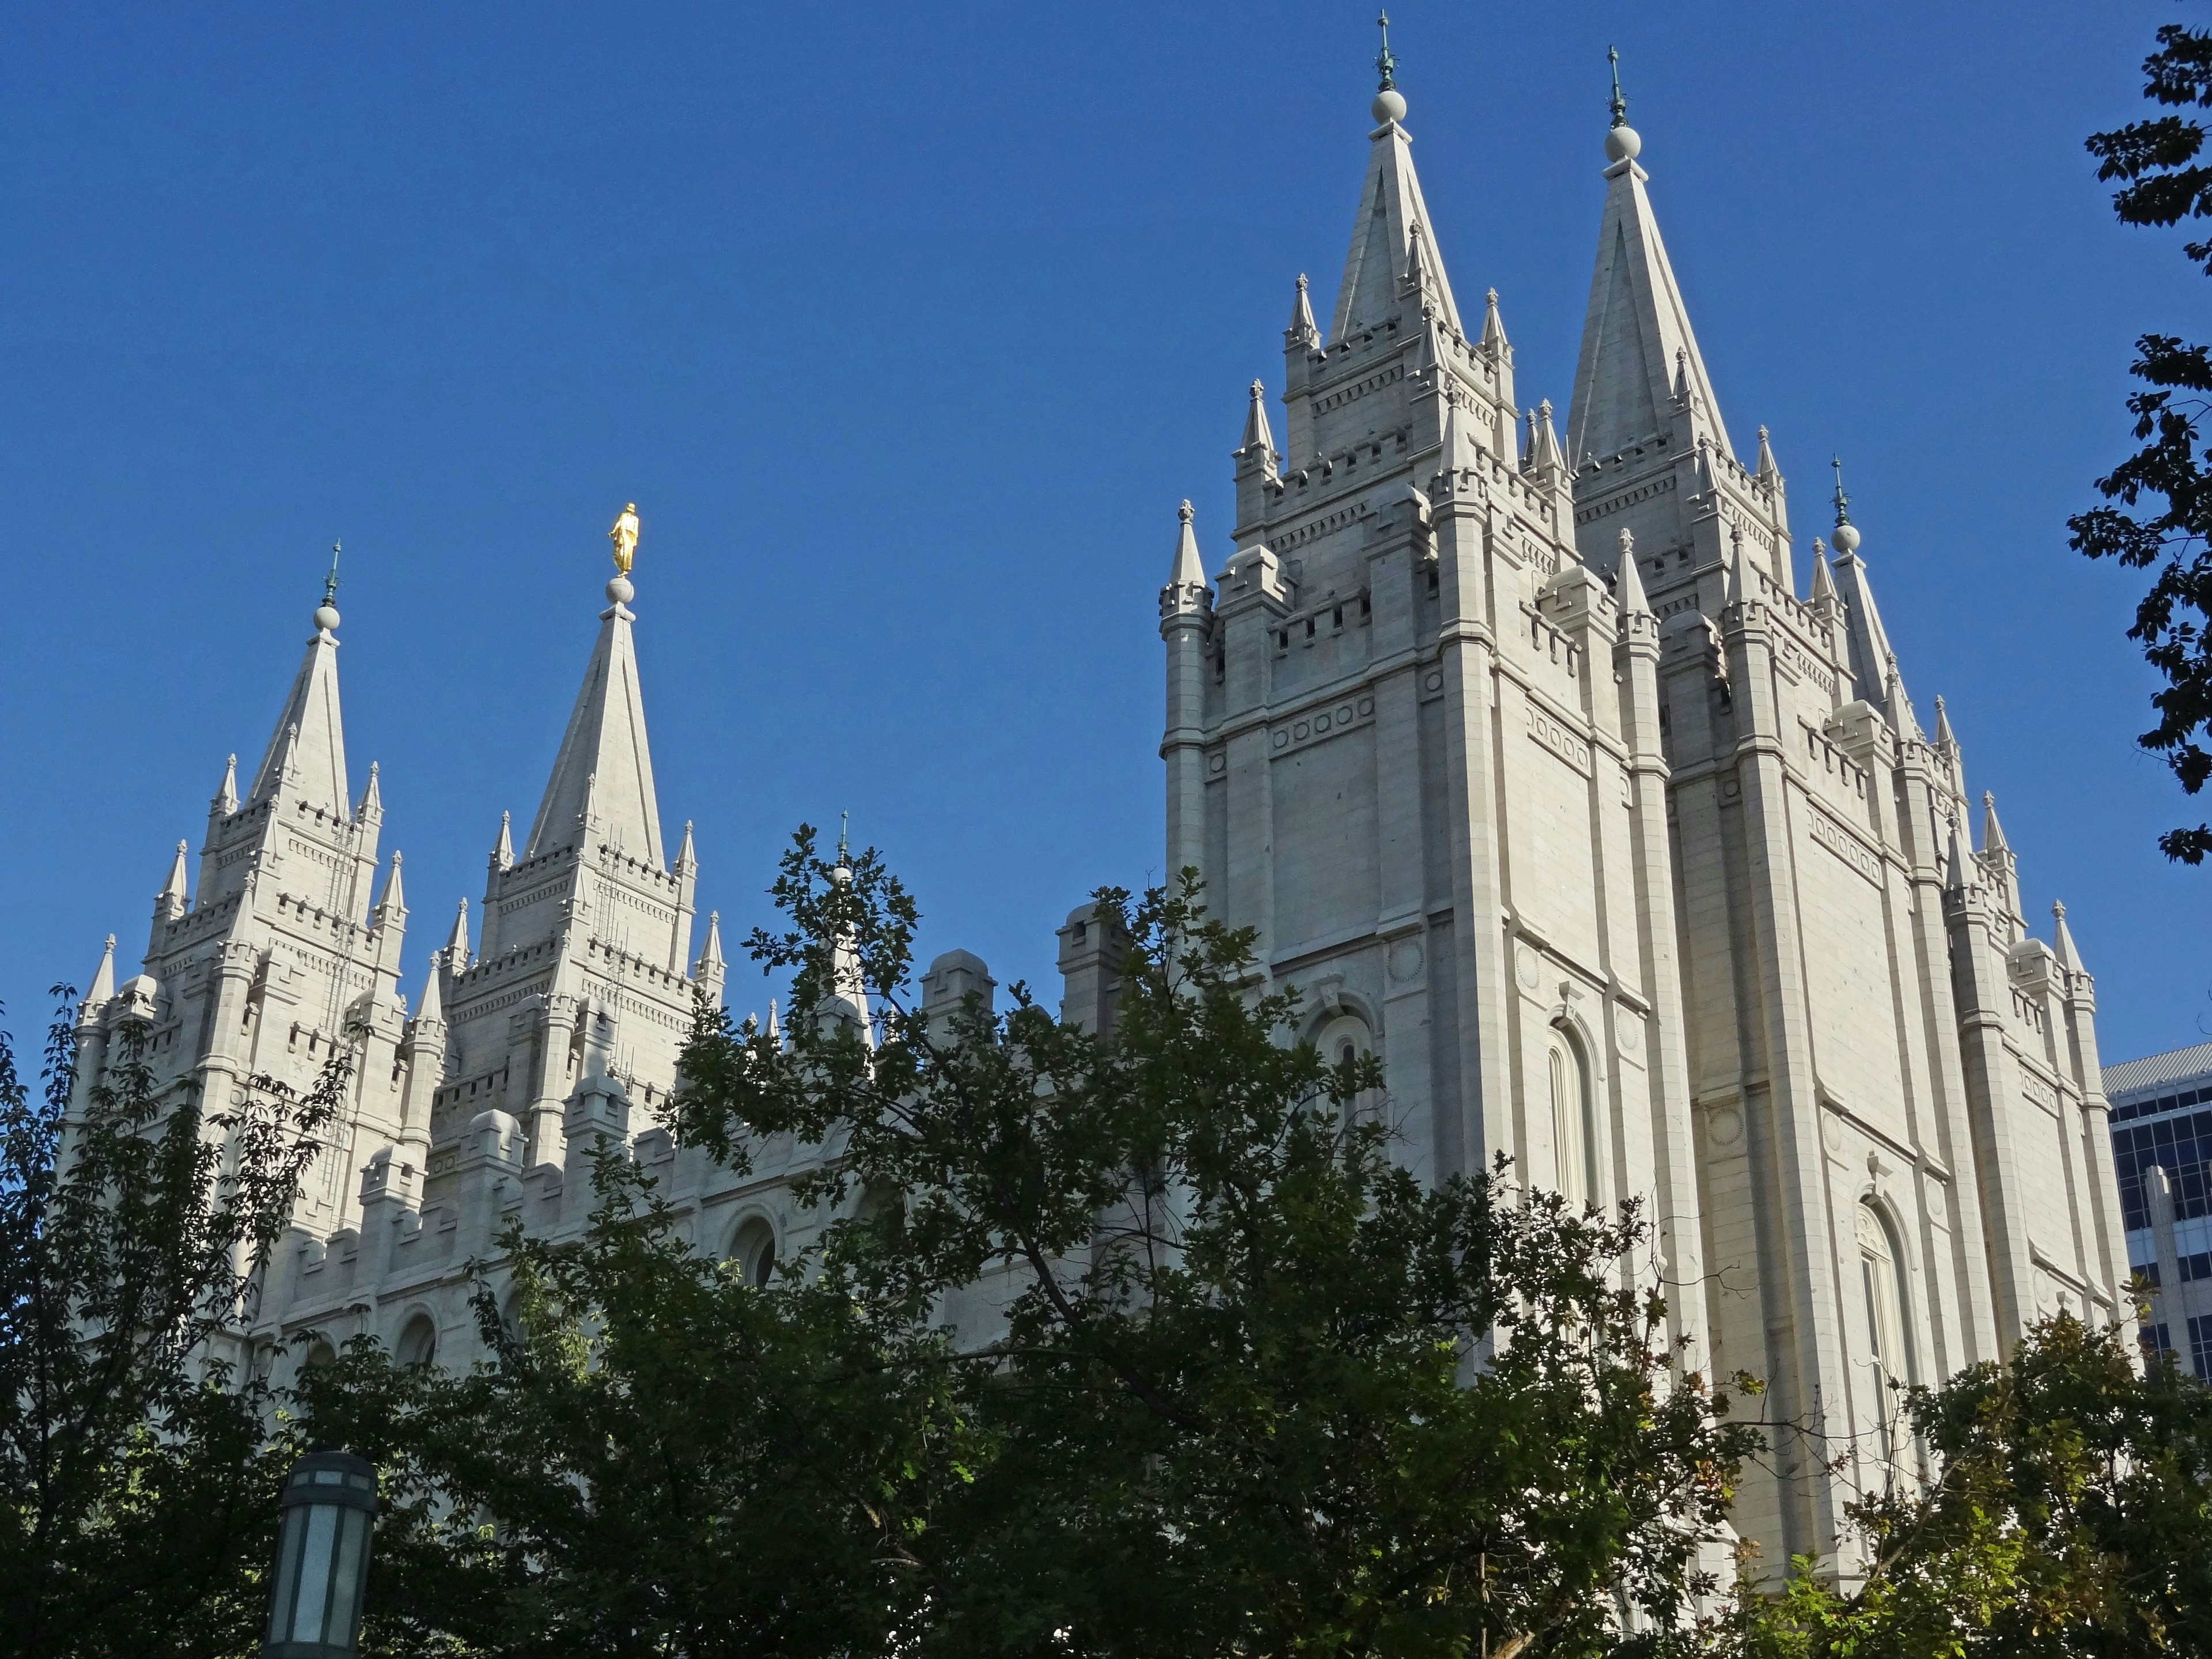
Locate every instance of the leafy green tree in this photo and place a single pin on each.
(657, 1458)
(2072, 1516)
(1249, 1385)
(139, 1461)
(2163, 492)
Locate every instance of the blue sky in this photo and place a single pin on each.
(907, 328)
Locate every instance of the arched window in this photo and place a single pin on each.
(1884, 1284)
(418, 1341)
(1345, 1042)
(754, 1251)
(320, 1353)
(1574, 1134)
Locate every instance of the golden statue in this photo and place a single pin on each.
(624, 537)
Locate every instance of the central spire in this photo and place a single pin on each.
(1639, 374)
(603, 772)
(1391, 213)
(308, 746)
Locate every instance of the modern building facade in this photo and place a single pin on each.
(2162, 1108)
(1531, 769)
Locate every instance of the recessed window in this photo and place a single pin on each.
(1574, 1139)
(754, 1252)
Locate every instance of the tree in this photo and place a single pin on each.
(2072, 1516)
(2163, 518)
(657, 1458)
(139, 1461)
(1253, 1386)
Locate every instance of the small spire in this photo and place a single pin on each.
(710, 954)
(502, 850)
(1619, 103)
(1955, 877)
(775, 1029)
(1993, 840)
(226, 798)
(1628, 582)
(1543, 440)
(1824, 581)
(1943, 738)
(172, 895)
(372, 798)
(1417, 275)
(103, 978)
(432, 1006)
(394, 899)
(1385, 64)
(2060, 939)
(457, 945)
(1682, 374)
(1900, 706)
(1735, 587)
(1766, 469)
(1493, 327)
(685, 854)
(1187, 579)
(1257, 434)
(1302, 331)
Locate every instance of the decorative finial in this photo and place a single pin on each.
(327, 614)
(1184, 511)
(1385, 64)
(1621, 142)
(1846, 537)
(845, 819)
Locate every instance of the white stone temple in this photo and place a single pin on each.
(1550, 767)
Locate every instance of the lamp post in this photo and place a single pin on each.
(322, 1557)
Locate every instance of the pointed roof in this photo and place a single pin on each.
(372, 798)
(1943, 738)
(226, 798)
(457, 943)
(1867, 641)
(1628, 582)
(1993, 839)
(1955, 877)
(1766, 468)
(1824, 580)
(395, 893)
(710, 953)
(1493, 326)
(502, 850)
(309, 741)
(685, 853)
(103, 977)
(1383, 237)
(1302, 331)
(1189, 569)
(174, 890)
(604, 764)
(1257, 432)
(2062, 940)
(1543, 440)
(433, 1005)
(1636, 339)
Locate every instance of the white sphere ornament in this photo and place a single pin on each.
(620, 591)
(1623, 144)
(1846, 538)
(1389, 106)
(327, 617)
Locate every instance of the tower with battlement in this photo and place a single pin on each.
(1530, 768)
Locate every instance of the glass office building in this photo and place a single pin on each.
(2162, 1144)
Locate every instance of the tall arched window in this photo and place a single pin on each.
(418, 1341)
(754, 1251)
(1885, 1285)
(1344, 1042)
(1574, 1135)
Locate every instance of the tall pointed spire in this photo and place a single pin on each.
(1824, 580)
(433, 1005)
(1767, 471)
(226, 798)
(309, 742)
(1955, 877)
(502, 850)
(1185, 587)
(1636, 339)
(372, 798)
(1384, 228)
(604, 764)
(710, 970)
(1871, 658)
(1543, 457)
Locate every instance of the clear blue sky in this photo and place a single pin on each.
(907, 328)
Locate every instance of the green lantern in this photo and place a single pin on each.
(322, 1557)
